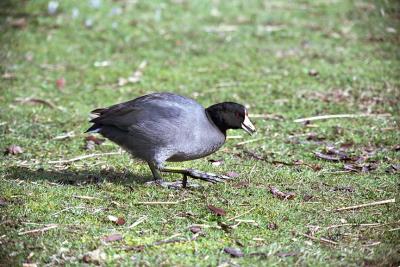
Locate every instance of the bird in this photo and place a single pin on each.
(167, 127)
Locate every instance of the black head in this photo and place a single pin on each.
(230, 115)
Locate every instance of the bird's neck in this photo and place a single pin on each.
(216, 118)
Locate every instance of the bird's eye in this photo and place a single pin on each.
(237, 114)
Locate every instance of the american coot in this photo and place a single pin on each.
(163, 127)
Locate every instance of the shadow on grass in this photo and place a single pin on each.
(74, 177)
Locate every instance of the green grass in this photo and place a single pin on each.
(263, 63)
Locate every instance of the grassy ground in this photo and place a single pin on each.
(287, 59)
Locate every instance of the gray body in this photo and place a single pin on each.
(160, 127)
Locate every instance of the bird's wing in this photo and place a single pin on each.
(150, 108)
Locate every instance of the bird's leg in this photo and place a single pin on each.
(208, 177)
(159, 181)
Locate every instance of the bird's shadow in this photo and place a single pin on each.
(75, 177)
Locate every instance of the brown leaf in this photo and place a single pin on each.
(234, 252)
(96, 140)
(394, 168)
(313, 72)
(232, 174)
(3, 202)
(333, 154)
(60, 83)
(112, 238)
(13, 150)
(281, 195)
(272, 226)
(362, 167)
(120, 221)
(217, 211)
(116, 220)
(396, 148)
(195, 229)
(216, 162)
(18, 22)
(307, 197)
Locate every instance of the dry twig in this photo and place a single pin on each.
(322, 240)
(139, 221)
(338, 116)
(240, 215)
(392, 200)
(39, 230)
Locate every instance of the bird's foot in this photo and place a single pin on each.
(173, 185)
(206, 176)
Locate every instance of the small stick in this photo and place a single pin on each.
(250, 141)
(157, 203)
(240, 215)
(336, 116)
(352, 224)
(69, 208)
(322, 240)
(367, 205)
(394, 229)
(234, 137)
(266, 116)
(139, 221)
(86, 197)
(50, 226)
(83, 157)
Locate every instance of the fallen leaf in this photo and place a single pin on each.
(313, 72)
(18, 22)
(96, 257)
(234, 252)
(92, 141)
(13, 150)
(307, 197)
(216, 162)
(116, 220)
(60, 83)
(396, 148)
(96, 140)
(217, 211)
(195, 229)
(281, 195)
(112, 238)
(394, 168)
(120, 221)
(232, 174)
(333, 154)
(3, 202)
(362, 167)
(272, 226)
